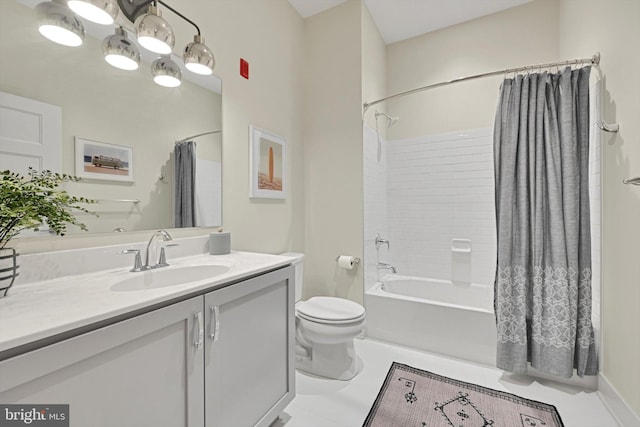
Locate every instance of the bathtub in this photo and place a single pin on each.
(433, 315)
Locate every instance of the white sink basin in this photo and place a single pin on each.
(169, 276)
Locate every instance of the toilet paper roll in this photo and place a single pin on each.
(345, 261)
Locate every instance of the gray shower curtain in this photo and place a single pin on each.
(185, 184)
(542, 293)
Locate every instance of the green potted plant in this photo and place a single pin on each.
(29, 202)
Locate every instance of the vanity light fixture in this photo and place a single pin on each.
(165, 72)
(59, 24)
(120, 52)
(102, 12)
(154, 33)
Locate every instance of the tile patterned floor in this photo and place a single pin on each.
(329, 403)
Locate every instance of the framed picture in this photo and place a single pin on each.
(99, 160)
(267, 165)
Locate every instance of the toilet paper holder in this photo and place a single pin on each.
(355, 260)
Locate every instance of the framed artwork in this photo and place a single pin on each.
(267, 165)
(99, 160)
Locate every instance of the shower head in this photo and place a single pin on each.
(392, 120)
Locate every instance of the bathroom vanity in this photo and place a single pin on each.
(212, 351)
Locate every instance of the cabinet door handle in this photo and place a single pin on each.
(214, 328)
(199, 337)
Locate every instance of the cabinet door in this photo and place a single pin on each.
(144, 371)
(249, 363)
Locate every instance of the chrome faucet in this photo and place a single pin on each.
(383, 266)
(163, 262)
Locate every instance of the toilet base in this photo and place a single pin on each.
(336, 361)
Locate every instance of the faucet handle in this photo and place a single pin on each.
(137, 262)
(162, 262)
(380, 241)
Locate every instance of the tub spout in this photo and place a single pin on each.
(383, 266)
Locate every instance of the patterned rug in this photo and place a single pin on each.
(413, 397)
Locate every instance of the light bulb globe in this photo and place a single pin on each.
(154, 33)
(120, 52)
(103, 12)
(165, 72)
(198, 58)
(59, 24)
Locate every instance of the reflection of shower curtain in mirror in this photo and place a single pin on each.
(185, 178)
(543, 279)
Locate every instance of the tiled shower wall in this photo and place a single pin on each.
(421, 193)
(440, 188)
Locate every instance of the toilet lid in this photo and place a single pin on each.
(331, 309)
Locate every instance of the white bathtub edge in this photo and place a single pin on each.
(377, 290)
(401, 328)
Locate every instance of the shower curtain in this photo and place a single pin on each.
(185, 184)
(542, 294)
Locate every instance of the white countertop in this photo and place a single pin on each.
(38, 310)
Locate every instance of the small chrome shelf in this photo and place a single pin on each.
(134, 201)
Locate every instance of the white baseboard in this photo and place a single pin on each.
(621, 411)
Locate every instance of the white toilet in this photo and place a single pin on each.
(325, 329)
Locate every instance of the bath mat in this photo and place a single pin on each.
(413, 397)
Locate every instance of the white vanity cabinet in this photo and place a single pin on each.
(249, 355)
(144, 371)
(164, 368)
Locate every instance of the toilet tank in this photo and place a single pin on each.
(296, 261)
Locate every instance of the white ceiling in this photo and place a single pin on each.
(402, 19)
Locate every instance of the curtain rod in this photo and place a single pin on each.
(594, 60)
(200, 134)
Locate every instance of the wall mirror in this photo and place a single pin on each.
(111, 107)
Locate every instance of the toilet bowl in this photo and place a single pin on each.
(325, 330)
(324, 336)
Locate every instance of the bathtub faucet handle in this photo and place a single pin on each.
(380, 241)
